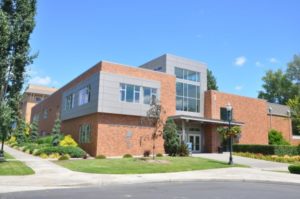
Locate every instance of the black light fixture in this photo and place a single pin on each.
(229, 118)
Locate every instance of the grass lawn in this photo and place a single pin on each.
(14, 167)
(138, 166)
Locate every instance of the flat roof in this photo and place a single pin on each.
(37, 89)
(205, 120)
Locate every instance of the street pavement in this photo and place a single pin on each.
(177, 190)
(51, 176)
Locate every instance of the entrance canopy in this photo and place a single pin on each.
(203, 120)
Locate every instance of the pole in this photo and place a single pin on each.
(230, 142)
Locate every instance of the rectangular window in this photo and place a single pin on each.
(84, 95)
(150, 95)
(129, 93)
(70, 99)
(45, 114)
(85, 133)
(181, 73)
(187, 97)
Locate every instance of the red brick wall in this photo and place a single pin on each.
(250, 111)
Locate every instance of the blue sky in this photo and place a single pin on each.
(238, 39)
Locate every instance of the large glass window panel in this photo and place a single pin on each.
(191, 75)
(84, 95)
(192, 91)
(179, 103)
(185, 104)
(129, 93)
(198, 106)
(136, 94)
(179, 89)
(198, 92)
(185, 90)
(192, 107)
(179, 73)
(147, 95)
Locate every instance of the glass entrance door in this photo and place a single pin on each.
(195, 141)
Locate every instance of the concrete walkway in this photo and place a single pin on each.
(253, 163)
(51, 176)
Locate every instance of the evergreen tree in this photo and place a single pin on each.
(171, 138)
(211, 81)
(34, 134)
(56, 132)
(20, 131)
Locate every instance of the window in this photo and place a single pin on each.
(224, 114)
(70, 101)
(187, 97)
(181, 73)
(150, 95)
(36, 117)
(38, 99)
(45, 114)
(129, 93)
(85, 133)
(84, 95)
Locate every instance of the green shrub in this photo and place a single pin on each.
(267, 149)
(276, 138)
(64, 157)
(43, 155)
(35, 151)
(171, 139)
(127, 156)
(45, 140)
(159, 155)
(183, 150)
(100, 157)
(54, 155)
(295, 168)
(68, 141)
(74, 152)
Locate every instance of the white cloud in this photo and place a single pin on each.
(46, 81)
(240, 61)
(259, 64)
(273, 60)
(238, 87)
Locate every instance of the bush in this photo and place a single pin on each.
(54, 155)
(267, 149)
(68, 141)
(74, 152)
(171, 138)
(127, 156)
(146, 153)
(64, 157)
(45, 140)
(295, 168)
(159, 155)
(100, 157)
(183, 150)
(43, 155)
(276, 138)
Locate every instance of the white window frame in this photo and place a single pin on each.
(84, 95)
(70, 101)
(153, 93)
(135, 91)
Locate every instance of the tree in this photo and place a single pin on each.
(6, 123)
(20, 131)
(277, 88)
(154, 118)
(211, 81)
(34, 134)
(294, 104)
(276, 138)
(56, 132)
(293, 70)
(171, 138)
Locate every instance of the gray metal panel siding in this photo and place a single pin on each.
(109, 95)
(85, 109)
(154, 64)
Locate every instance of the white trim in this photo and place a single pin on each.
(296, 137)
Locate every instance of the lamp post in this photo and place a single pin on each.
(229, 117)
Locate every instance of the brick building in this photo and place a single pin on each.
(103, 108)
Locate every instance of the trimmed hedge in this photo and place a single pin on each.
(74, 152)
(267, 149)
(295, 168)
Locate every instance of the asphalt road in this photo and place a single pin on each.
(183, 190)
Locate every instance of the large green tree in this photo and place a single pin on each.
(211, 81)
(277, 87)
(171, 138)
(294, 104)
(293, 70)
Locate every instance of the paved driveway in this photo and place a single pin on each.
(253, 163)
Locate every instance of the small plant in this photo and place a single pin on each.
(276, 138)
(100, 157)
(27, 151)
(68, 141)
(56, 132)
(64, 157)
(54, 155)
(159, 155)
(85, 156)
(127, 156)
(43, 155)
(183, 150)
(295, 168)
(146, 153)
(35, 151)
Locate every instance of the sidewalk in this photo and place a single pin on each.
(51, 176)
(253, 163)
